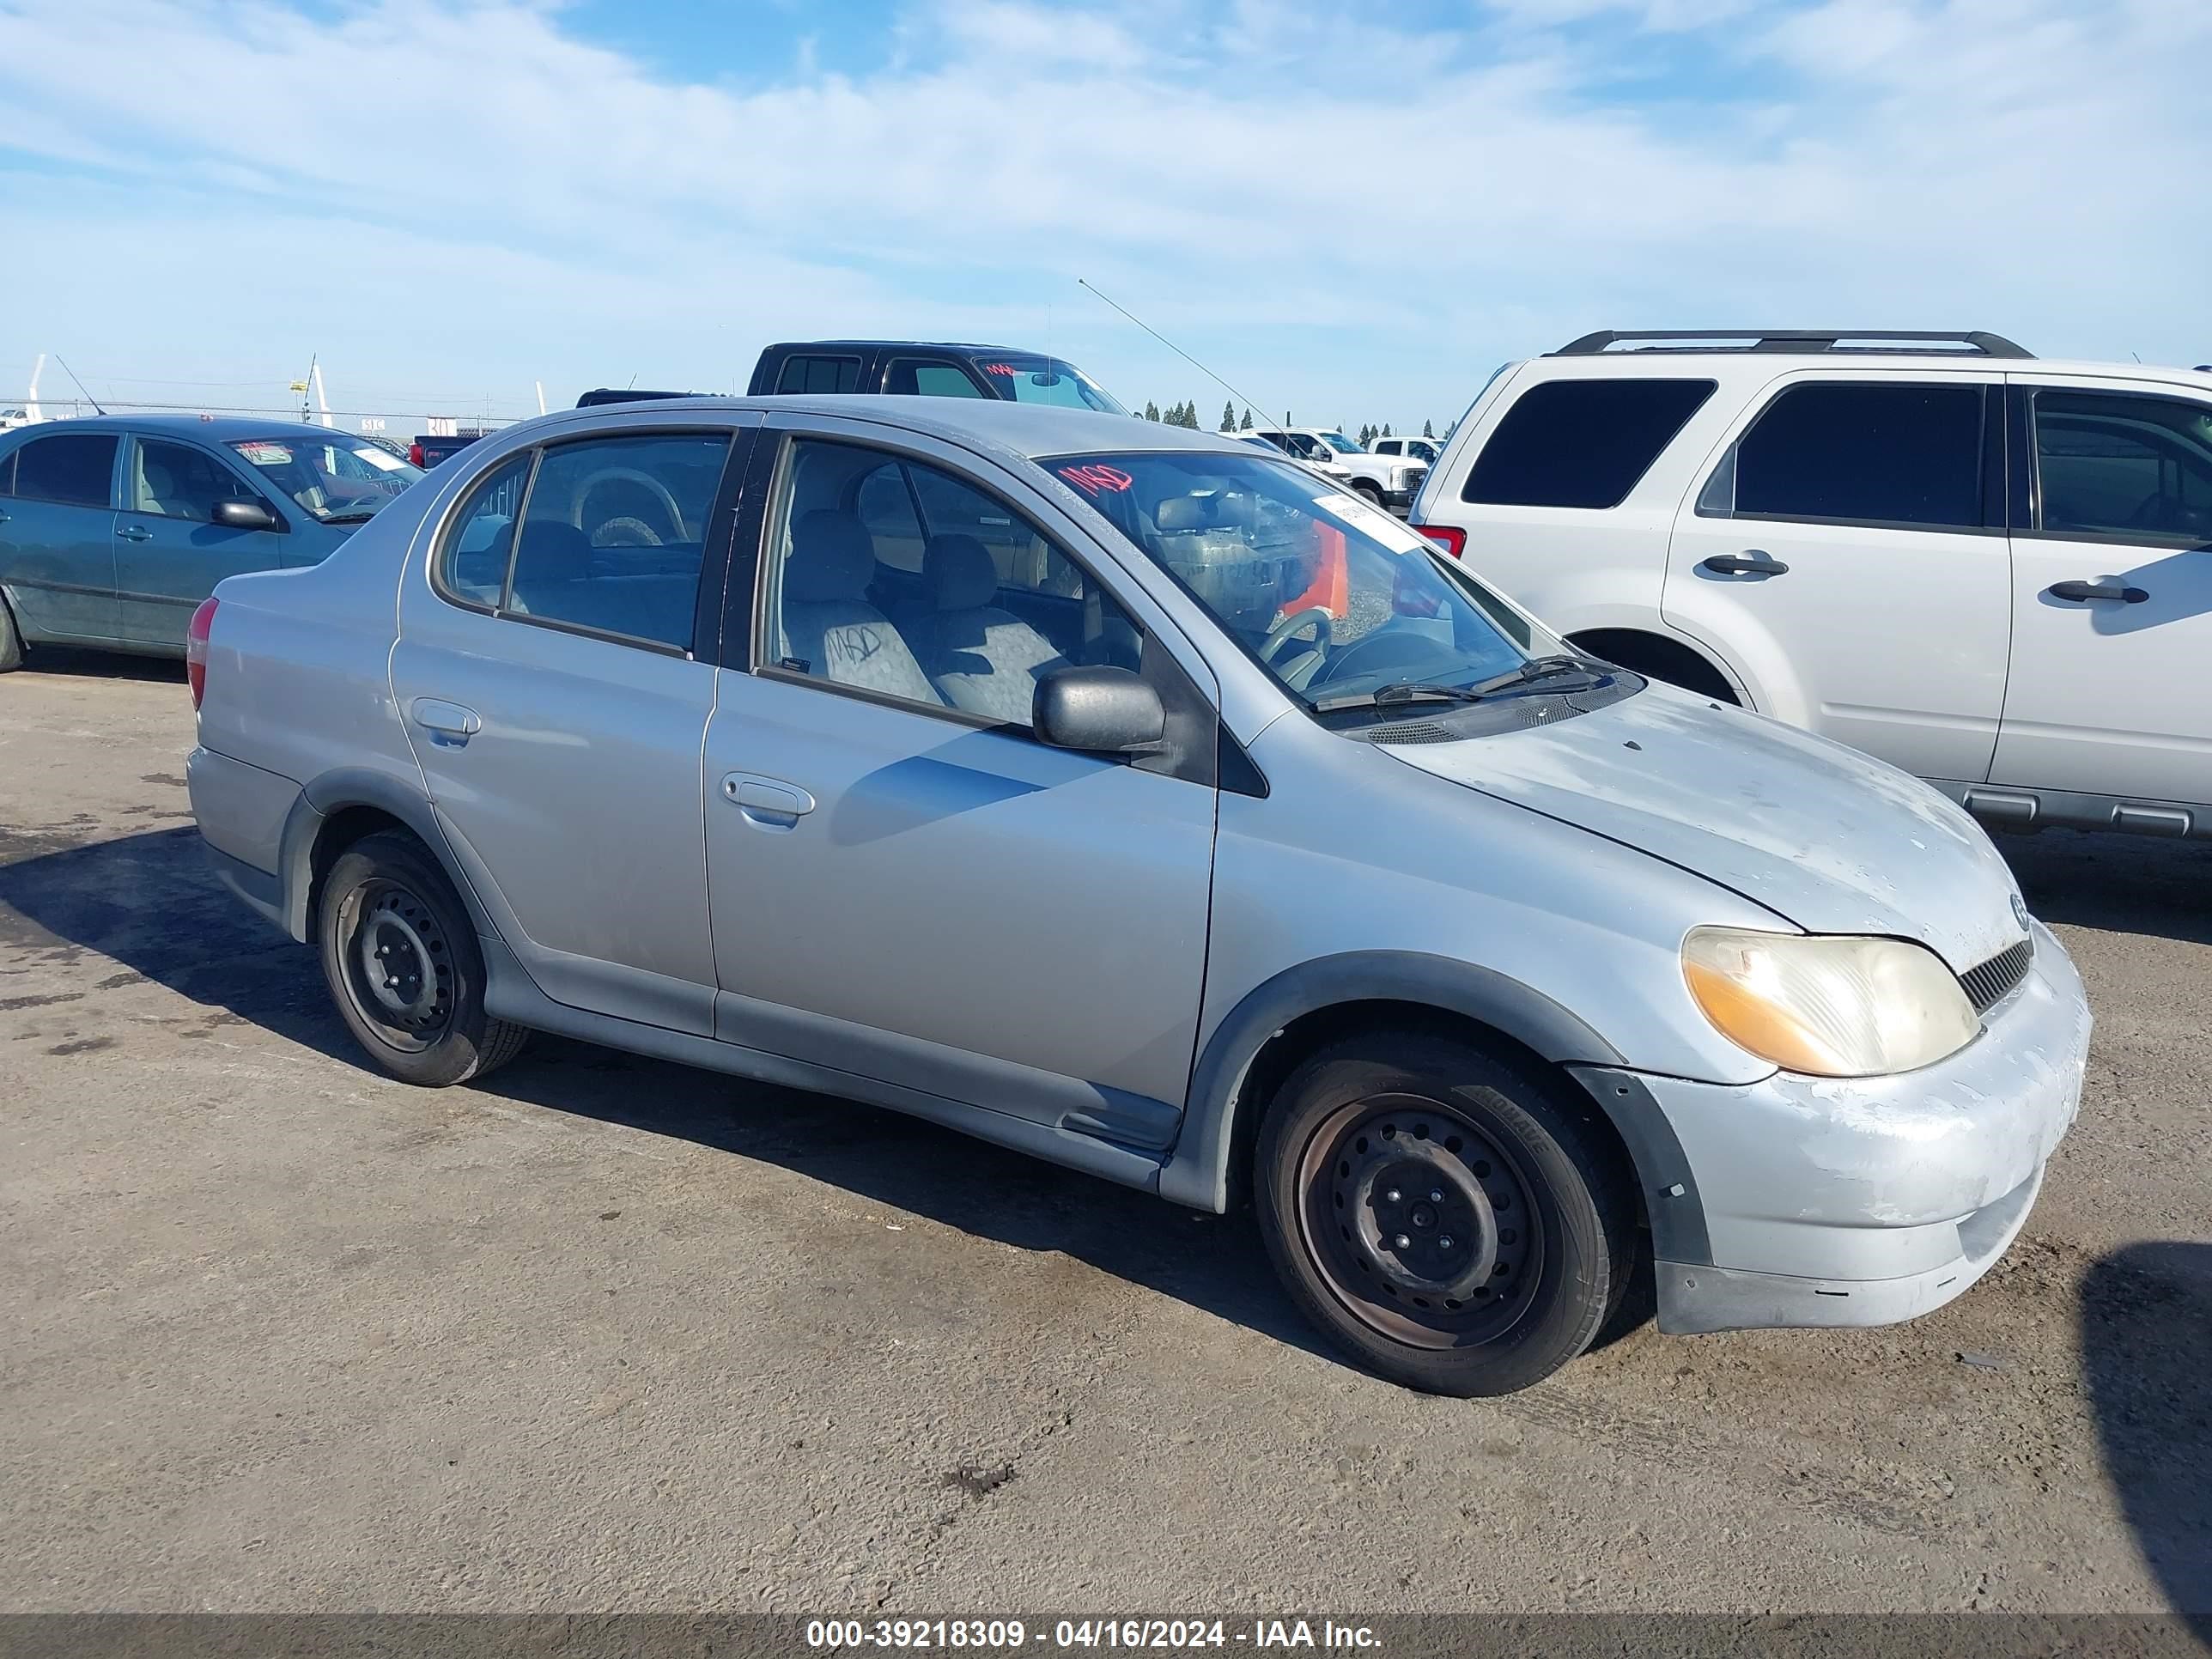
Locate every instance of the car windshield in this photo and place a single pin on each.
(1333, 597)
(332, 478)
(1341, 443)
(1029, 380)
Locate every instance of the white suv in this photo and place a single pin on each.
(1994, 571)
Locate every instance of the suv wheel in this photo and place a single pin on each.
(1447, 1218)
(400, 955)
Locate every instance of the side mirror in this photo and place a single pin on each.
(244, 515)
(1098, 710)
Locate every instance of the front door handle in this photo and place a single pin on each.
(2112, 588)
(134, 532)
(448, 723)
(767, 802)
(1749, 563)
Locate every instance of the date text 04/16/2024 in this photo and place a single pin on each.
(1165, 1634)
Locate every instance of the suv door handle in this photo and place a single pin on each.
(2079, 593)
(1749, 563)
(448, 723)
(134, 532)
(767, 802)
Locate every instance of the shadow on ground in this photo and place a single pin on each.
(2128, 883)
(102, 665)
(2147, 1356)
(149, 902)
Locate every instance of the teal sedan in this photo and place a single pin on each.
(114, 529)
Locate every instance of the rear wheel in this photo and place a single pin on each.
(1456, 1224)
(400, 956)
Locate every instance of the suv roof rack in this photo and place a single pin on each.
(1936, 342)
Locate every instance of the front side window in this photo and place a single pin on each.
(1869, 454)
(911, 377)
(1336, 599)
(179, 482)
(2130, 467)
(614, 534)
(889, 575)
(332, 479)
(1025, 379)
(76, 468)
(819, 375)
(1581, 443)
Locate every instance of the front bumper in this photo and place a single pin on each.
(1400, 501)
(1867, 1201)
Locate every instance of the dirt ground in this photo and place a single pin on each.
(606, 1334)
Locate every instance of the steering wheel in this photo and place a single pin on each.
(1297, 622)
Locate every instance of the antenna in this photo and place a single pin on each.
(81, 385)
(1178, 351)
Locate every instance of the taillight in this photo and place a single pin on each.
(196, 648)
(415, 455)
(1449, 536)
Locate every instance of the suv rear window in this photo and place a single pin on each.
(1868, 454)
(1581, 443)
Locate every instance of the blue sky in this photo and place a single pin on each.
(1351, 211)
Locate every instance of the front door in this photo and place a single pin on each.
(906, 883)
(555, 687)
(57, 537)
(1846, 551)
(169, 553)
(2111, 638)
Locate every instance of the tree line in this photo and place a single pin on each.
(1185, 414)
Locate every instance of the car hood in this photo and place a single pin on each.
(1824, 836)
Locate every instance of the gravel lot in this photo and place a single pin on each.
(607, 1333)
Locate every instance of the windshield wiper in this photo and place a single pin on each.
(1539, 669)
(361, 516)
(1401, 691)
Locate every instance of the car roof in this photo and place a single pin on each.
(215, 429)
(931, 345)
(1762, 364)
(1029, 431)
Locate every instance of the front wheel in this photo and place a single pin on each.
(11, 642)
(1455, 1223)
(1372, 492)
(400, 956)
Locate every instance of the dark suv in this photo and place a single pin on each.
(914, 367)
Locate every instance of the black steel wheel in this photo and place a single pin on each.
(1457, 1222)
(400, 955)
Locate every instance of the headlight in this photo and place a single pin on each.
(1828, 1005)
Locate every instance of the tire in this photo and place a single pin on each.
(1472, 1304)
(11, 642)
(387, 911)
(1373, 494)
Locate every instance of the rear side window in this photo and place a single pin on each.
(1581, 443)
(914, 377)
(815, 375)
(1868, 454)
(73, 468)
(472, 563)
(614, 534)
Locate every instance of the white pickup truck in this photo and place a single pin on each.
(1390, 481)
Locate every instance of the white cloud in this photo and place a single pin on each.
(1333, 213)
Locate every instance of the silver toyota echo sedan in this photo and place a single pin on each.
(1142, 800)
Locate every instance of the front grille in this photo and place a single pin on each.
(1989, 984)
(1415, 476)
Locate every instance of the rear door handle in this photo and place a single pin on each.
(767, 802)
(2081, 593)
(134, 532)
(1749, 563)
(448, 723)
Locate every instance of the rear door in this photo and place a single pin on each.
(1845, 550)
(555, 681)
(169, 553)
(57, 537)
(2111, 690)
